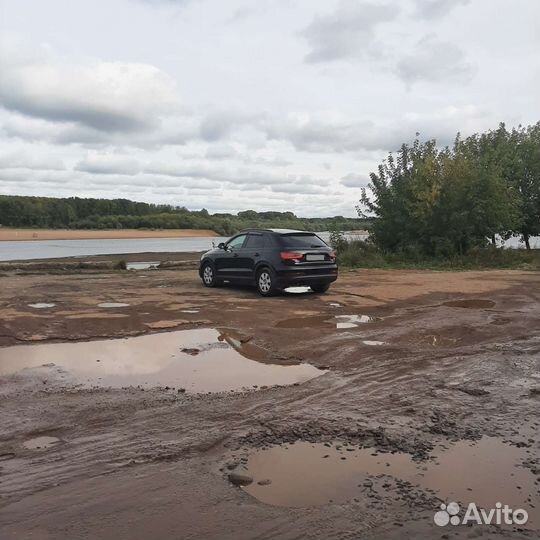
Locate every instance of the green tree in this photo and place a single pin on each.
(445, 201)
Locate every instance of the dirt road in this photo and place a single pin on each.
(353, 414)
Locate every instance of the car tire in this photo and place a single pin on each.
(208, 276)
(320, 288)
(266, 282)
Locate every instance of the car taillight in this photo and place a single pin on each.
(290, 256)
(332, 255)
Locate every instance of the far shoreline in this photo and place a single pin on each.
(10, 234)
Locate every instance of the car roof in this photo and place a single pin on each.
(277, 231)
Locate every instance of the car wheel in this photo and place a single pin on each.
(320, 288)
(265, 283)
(209, 276)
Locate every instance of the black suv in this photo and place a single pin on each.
(271, 259)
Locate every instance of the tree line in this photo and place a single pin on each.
(79, 213)
(445, 201)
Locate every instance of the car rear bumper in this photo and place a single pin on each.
(306, 276)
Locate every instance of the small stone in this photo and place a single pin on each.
(265, 482)
(240, 479)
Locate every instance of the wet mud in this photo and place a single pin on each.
(213, 413)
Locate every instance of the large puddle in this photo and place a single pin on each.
(201, 360)
(306, 474)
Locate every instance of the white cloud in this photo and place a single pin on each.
(21, 159)
(289, 107)
(105, 96)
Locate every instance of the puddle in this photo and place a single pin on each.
(306, 474)
(41, 305)
(471, 304)
(189, 310)
(328, 321)
(112, 305)
(335, 304)
(40, 443)
(350, 321)
(297, 290)
(373, 343)
(141, 265)
(223, 362)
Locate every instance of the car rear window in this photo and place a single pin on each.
(302, 241)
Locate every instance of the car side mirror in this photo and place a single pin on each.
(221, 245)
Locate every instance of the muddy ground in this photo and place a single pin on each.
(442, 359)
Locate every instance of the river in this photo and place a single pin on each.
(51, 249)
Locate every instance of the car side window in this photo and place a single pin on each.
(255, 241)
(236, 243)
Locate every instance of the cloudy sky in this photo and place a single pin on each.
(249, 104)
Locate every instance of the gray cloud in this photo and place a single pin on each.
(255, 178)
(219, 125)
(355, 180)
(108, 164)
(221, 151)
(433, 60)
(348, 32)
(242, 13)
(298, 188)
(31, 177)
(167, 2)
(175, 130)
(339, 134)
(319, 134)
(58, 110)
(434, 9)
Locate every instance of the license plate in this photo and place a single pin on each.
(314, 257)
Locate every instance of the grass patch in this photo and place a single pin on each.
(358, 254)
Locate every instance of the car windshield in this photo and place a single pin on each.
(302, 240)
